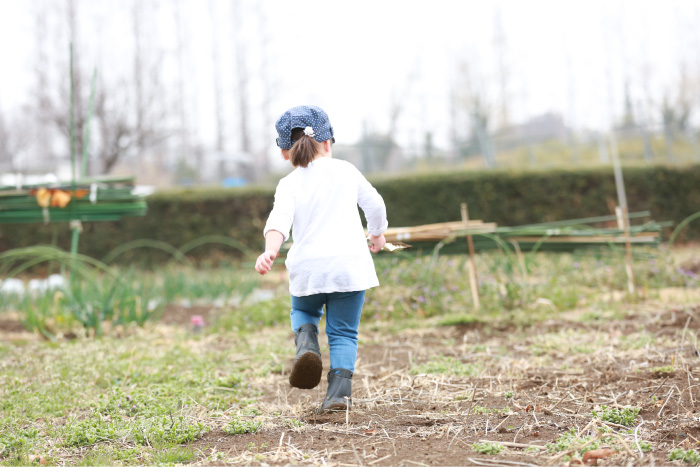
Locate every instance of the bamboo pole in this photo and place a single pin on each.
(472, 264)
(72, 120)
(83, 172)
(75, 231)
(622, 200)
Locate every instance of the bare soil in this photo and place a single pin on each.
(532, 385)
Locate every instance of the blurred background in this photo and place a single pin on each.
(188, 91)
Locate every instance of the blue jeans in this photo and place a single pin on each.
(343, 311)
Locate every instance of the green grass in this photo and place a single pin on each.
(427, 286)
(637, 341)
(174, 455)
(564, 342)
(139, 395)
(101, 455)
(518, 291)
(130, 392)
(446, 365)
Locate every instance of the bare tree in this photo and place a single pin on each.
(121, 131)
(42, 85)
(645, 102)
(53, 105)
(75, 88)
(474, 110)
(216, 62)
(677, 107)
(263, 161)
(676, 110)
(128, 115)
(241, 75)
(503, 74)
(181, 52)
(15, 140)
(6, 152)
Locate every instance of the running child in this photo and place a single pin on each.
(329, 263)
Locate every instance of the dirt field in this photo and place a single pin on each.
(518, 388)
(477, 394)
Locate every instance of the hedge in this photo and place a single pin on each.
(508, 198)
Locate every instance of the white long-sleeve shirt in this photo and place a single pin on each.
(330, 252)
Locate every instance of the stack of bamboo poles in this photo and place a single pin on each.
(86, 200)
(564, 235)
(437, 232)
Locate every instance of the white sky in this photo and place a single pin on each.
(354, 57)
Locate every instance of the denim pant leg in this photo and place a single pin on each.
(306, 310)
(343, 311)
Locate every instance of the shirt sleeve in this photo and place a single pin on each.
(372, 205)
(282, 215)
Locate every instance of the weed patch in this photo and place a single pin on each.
(570, 441)
(89, 431)
(446, 365)
(689, 456)
(488, 448)
(489, 410)
(237, 426)
(622, 416)
(174, 455)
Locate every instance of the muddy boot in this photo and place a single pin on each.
(307, 369)
(339, 391)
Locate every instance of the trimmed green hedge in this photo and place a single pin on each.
(507, 198)
(530, 197)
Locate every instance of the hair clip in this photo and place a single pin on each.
(308, 131)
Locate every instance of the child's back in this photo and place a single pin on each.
(330, 251)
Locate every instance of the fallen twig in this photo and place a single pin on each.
(512, 445)
(496, 462)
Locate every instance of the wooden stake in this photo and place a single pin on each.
(622, 199)
(472, 264)
(628, 247)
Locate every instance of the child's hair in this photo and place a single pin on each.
(304, 148)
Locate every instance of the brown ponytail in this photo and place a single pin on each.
(304, 148)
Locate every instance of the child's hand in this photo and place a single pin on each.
(264, 262)
(376, 243)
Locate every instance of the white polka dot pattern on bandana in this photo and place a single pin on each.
(301, 117)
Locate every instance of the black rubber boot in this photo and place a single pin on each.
(307, 369)
(339, 391)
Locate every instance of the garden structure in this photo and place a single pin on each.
(80, 200)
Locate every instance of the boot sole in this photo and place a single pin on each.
(306, 373)
(336, 407)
